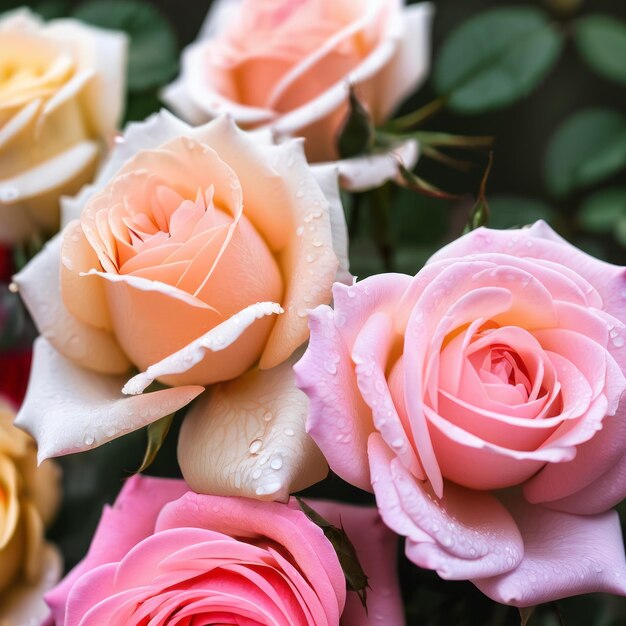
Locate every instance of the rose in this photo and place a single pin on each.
(61, 97)
(481, 400)
(28, 500)
(164, 553)
(196, 255)
(287, 64)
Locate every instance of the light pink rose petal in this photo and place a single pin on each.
(542, 244)
(370, 354)
(70, 409)
(463, 535)
(246, 437)
(375, 546)
(338, 419)
(118, 531)
(594, 459)
(471, 461)
(564, 555)
(338, 414)
(601, 495)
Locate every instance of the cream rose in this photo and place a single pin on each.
(195, 256)
(29, 497)
(61, 97)
(287, 64)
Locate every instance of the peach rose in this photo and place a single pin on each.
(287, 64)
(482, 401)
(62, 87)
(166, 555)
(195, 256)
(29, 496)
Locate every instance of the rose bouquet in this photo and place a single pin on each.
(369, 390)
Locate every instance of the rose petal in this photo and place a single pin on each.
(337, 412)
(218, 338)
(326, 176)
(246, 437)
(83, 296)
(338, 419)
(104, 52)
(409, 66)
(289, 528)
(462, 535)
(308, 262)
(69, 409)
(594, 458)
(118, 531)
(39, 284)
(368, 172)
(564, 555)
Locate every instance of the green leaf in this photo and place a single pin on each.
(602, 210)
(356, 135)
(495, 58)
(157, 432)
(515, 211)
(601, 40)
(346, 553)
(153, 55)
(587, 148)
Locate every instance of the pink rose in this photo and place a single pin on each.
(481, 401)
(166, 555)
(287, 64)
(193, 258)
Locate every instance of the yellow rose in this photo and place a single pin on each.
(29, 496)
(62, 87)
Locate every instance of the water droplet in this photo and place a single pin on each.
(88, 440)
(290, 432)
(276, 463)
(267, 416)
(299, 231)
(255, 446)
(256, 474)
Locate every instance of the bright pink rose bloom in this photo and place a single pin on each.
(481, 401)
(165, 555)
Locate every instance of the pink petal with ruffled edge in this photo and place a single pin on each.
(462, 535)
(338, 417)
(118, 532)
(564, 555)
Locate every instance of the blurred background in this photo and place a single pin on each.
(559, 154)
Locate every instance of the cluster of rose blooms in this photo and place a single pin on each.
(206, 267)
